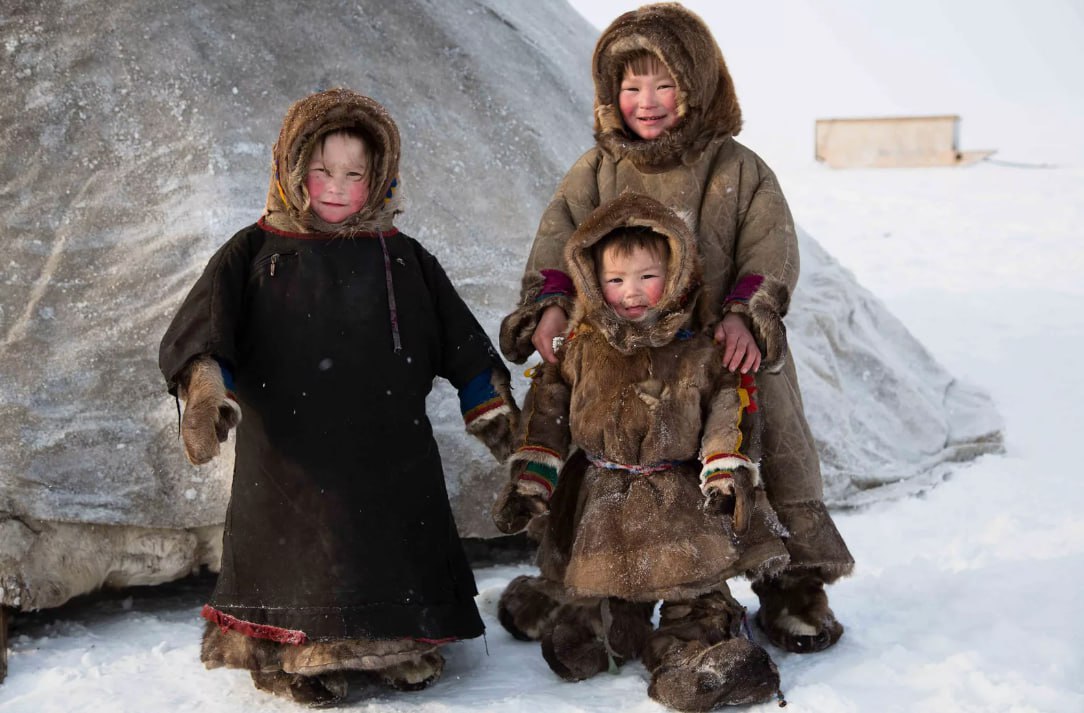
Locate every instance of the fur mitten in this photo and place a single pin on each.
(493, 417)
(732, 493)
(519, 502)
(209, 410)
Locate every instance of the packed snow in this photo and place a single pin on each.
(963, 597)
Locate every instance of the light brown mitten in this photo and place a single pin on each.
(209, 411)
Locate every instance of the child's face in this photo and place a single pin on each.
(649, 102)
(633, 282)
(337, 178)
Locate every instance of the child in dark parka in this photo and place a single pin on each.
(324, 326)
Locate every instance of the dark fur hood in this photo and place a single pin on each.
(307, 121)
(707, 105)
(674, 311)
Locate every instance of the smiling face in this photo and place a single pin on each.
(632, 280)
(338, 177)
(648, 100)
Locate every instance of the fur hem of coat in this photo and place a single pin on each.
(233, 649)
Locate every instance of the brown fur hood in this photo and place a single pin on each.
(706, 103)
(675, 308)
(307, 121)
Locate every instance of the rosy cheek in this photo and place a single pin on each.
(359, 193)
(654, 294)
(315, 186)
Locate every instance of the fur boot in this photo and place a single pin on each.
(234, 650)
(587, 635)
(699, 660)
(415, 674)
(321, 690)
(794, 612)
(527, 606)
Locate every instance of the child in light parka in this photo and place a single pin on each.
(665, 119)
(320, 329)
(669, 505)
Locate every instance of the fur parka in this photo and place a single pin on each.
(648, 402)
(745, 237)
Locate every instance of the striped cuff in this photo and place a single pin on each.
(479, 401)
(540, 465)
(721, 466)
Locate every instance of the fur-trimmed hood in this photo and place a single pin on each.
(674, 310)
(306, 122)
(706, 102)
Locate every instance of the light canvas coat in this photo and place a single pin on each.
(745, 237)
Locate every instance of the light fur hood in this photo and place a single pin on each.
(707, 105)
(306, 122)
(674, 310)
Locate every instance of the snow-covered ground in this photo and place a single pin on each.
(962, 599)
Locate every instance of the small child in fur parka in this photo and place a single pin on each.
(324, 326)
(669, 505)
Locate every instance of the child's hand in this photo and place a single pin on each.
(209, 413)
(734, 496)
(553, 323)
(519, 502)
(740, 349)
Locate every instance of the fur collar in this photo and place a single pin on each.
(707, 104)
(306, 121)
(675, 309)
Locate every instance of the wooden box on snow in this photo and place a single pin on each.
(892, 141)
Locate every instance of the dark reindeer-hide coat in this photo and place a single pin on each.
(339, 524)
(643, 393)
(745, 236)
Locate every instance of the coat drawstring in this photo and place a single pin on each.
(392, 311)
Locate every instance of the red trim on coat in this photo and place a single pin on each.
(225, 622)
(263, 224)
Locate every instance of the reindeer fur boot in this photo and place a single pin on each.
(699, 661)
(415, 674)
(587, 635)
(794, 613)
(527, 606)
(321, 690)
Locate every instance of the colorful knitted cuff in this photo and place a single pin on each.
(537, 464)
(745, 288)
(480, 400)
(719, 466)
(555, 282)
